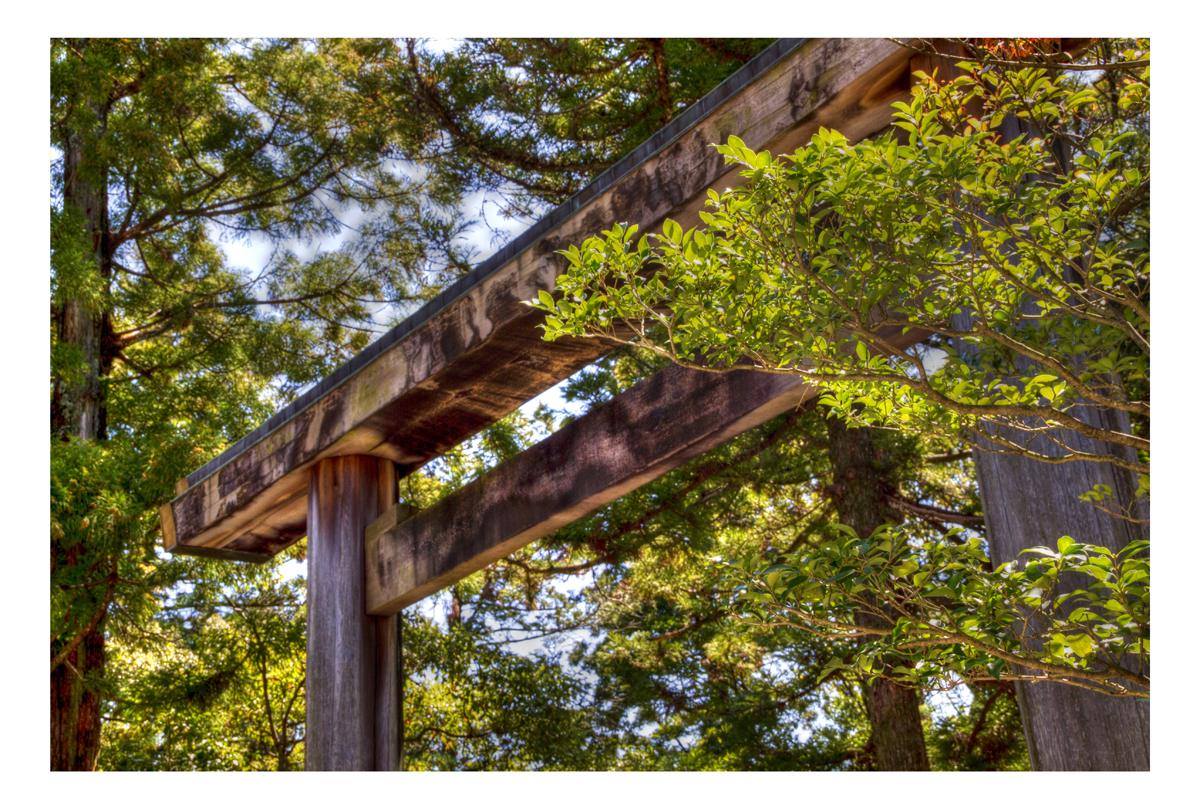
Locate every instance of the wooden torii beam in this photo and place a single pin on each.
(652, 428)
(326, 465)
(475, 354)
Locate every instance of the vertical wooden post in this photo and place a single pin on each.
(352, 681)
(389, 694)
(1027, 503)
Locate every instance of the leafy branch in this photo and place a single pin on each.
(939, 616)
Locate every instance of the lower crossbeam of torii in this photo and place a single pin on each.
(327, 466)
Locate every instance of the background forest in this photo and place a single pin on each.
(363, 171)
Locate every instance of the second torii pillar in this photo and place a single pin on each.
(353, 675)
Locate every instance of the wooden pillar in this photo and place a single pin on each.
(389, 694)
(1028, 503)
(352, 683)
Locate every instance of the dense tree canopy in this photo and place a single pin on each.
(1012, 227)
(611, 644)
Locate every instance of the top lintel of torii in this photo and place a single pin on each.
(475, 354)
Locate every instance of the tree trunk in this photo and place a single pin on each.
(1026, 504)
(77, 412)
(77, 406)
(75, 707)
(862, 477)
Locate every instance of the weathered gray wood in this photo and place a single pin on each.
(1026, 504)
(389, 671)
(351, 679)
(482, 355)
(650, 429)
(389, 694)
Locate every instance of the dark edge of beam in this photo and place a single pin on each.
(660, 140)
(654, 427)
(220, 553)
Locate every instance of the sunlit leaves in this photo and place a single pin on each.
(951, 618)
(823, 259)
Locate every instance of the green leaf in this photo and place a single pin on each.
(1081, 645)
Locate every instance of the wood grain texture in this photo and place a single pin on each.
(1027, 504)
(482, 356)
(648, 430)
(389, 694)
(352, 658)
(166, 521)
(389, 665)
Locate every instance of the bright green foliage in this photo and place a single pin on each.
(952, 618)
(216, 680)
(1002, 249)
(1024, 262)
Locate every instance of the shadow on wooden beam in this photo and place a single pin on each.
(645, 432)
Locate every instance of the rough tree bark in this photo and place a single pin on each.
(77, 413)
(1027, 504)
(862, 479)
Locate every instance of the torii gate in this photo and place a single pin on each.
(327, 465)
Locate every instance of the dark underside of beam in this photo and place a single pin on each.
(652, 428)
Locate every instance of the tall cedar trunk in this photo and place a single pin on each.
(77, 408)
(77, 412)
(862, 477)
(1027, 504)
